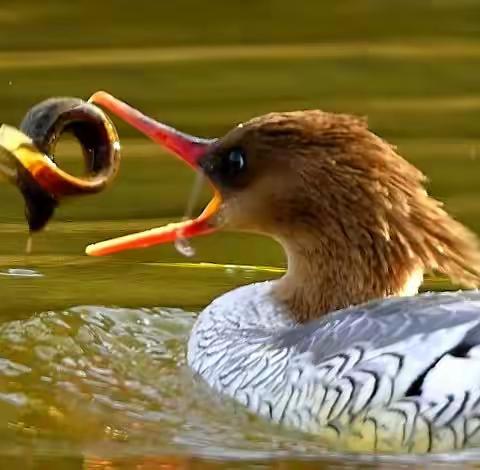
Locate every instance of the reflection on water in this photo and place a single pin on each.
(19, 272)
(115, 378)
(92, 351)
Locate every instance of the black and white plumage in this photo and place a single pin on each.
(399, 374)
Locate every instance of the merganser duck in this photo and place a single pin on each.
(342, 345)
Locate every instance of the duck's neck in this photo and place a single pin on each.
(324, 278)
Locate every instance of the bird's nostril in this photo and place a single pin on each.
(207, 164)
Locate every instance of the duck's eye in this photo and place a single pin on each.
(226, 167)
(235, 162)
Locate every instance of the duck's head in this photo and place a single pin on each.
(352, 215)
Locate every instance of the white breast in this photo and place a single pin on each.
(351, 376)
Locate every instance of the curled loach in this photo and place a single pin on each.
(27, 156)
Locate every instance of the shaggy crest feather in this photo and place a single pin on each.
(352, 214)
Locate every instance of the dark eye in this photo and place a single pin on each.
(234, 162)
(226, 167)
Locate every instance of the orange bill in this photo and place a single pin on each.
(188, 148)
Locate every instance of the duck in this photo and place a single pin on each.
(342, 346)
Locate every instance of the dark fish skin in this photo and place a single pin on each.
(44, 124)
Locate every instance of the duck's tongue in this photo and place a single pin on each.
(189, 149)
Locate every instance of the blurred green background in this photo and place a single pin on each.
(411, 66)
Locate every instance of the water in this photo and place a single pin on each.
(92, 351)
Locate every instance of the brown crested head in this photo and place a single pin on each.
(352, 215)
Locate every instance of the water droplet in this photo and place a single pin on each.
(183, 246)
(29, 245)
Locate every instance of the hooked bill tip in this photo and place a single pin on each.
(90, 250)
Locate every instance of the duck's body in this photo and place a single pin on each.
(401, 374)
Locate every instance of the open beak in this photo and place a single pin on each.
(188, 148)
